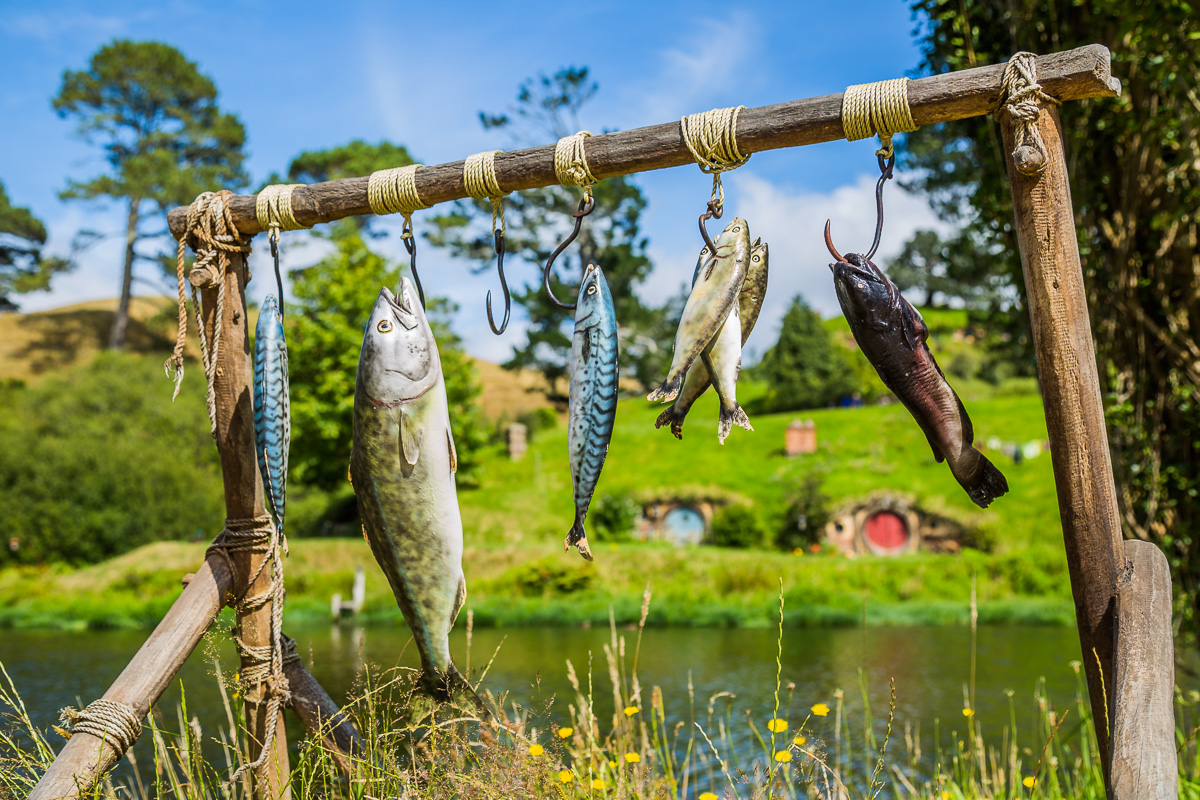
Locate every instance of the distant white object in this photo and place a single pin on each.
(358, 595)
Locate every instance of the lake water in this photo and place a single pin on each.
(930, 666)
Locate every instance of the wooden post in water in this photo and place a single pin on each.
(1066, 360)
(1144, 761)
(233, 383)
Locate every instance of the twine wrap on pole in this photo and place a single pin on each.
(1021, 92)
(711, 138)
(570, 163)
(877, 108)
(480, 181)
(262, 665)
(273, 207)
(394, 191)
(115, 723)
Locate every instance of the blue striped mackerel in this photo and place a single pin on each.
(272, 414)
(594, 377)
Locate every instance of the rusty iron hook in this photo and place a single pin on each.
(274, 239)
(715, 210)
(499, 236)
(410, 244)
(586, 206)
(886, 168)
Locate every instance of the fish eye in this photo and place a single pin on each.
(384, 326)
(592, 289)
(757, 258)
(738, 228)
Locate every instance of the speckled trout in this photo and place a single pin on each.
(593, 401)
(713, 294)
(272, 414)
(892, 336)
(697, 380)
(402, 466)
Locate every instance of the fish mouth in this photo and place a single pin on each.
(404, 307)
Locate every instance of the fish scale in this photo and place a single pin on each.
(593, 404)
(272, 409)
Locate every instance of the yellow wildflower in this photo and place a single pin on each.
(968, 712)
(708, 796)
(1030, 782)
(565, 776)
(632, 758)
(536, 750)
(783, 756)
(777, 725)
(945, 796)
(800, 740)
(821, 710)
(599, 783)
(565, 733)
(631, 710)
(612, 765)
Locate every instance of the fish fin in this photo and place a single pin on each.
(937, 451)
(668, 391)
(577, 536)
(967, 429)
(453, 452)
(460, 599)
(730, 417)
(988, 484)
(434, 690)
(410, 437)
(674, 418)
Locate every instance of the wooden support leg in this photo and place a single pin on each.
(1066, 359)
(322, 717)
(1144, 761)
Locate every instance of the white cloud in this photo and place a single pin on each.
(49, 26)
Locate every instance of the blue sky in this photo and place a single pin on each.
(308, 75)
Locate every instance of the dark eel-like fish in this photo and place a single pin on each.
(272, 418)
(593, 396)
(892, 335)
(402, 467)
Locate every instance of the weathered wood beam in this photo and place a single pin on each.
(1072, 75)
(1067, 372)
(1144, 760)
(322, 717)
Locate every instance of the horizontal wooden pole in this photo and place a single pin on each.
(1071, 75)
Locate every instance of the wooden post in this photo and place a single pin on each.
(1144, 761)
(244, 500)
(1066, 359)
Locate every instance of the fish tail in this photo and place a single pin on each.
(730, 417)
(577, 536)
(434, 690)
(669, 389)
(987, 483)
(673, 417)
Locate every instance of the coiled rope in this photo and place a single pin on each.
(273, 207)
(214, 238)
(570, 163)
(877, 108)
(1021, 92)
(115, 723)
(711, 137)
(394, 191)
(480, 181)
(262, 665)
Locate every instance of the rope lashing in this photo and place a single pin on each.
(480, 181)
(394, 191)
(1021, 93)
(570, 163)
(273, 207)
(115, 723)
(213, 236)
(711, 137)
(262, 665)
(877, 108)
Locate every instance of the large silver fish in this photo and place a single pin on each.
(272, 415)
(402, 467)
(750, 300)
(594, 379)
(713, 294)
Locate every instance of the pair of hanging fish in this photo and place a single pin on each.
(726, 297)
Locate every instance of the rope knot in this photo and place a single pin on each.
(1022, 97)
(877, 108)
(570, 163)
(115, 723)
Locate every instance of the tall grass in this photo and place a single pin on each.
(613, 737)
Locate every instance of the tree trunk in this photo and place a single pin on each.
(116, 339)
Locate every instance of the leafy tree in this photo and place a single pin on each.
(737, 526)
(804, 369)
(1135, 179)
(334, 298)
(351, 160)
(954, 269)
(23, 268)
(539, 219)
(164, 137)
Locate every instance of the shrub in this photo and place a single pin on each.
(613, 516)
(737, 526)
(538, 420)
(549, 576)
(806, 516)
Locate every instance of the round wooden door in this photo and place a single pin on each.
(886, 533)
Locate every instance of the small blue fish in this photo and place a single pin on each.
(272, 414)
(593, 396)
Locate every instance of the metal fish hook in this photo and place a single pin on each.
(586, 206)
(499, 234)
(274, 239)
(410, 244)
(715, 209)
(885, 170)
